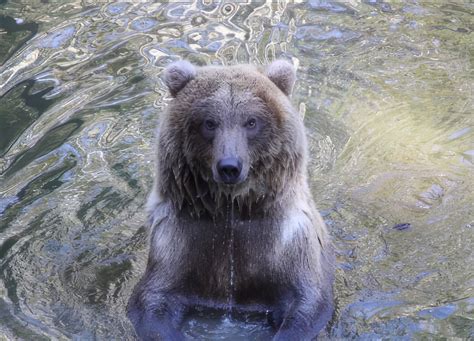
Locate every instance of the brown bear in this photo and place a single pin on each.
(233, 223)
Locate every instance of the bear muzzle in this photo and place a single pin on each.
(230, 171)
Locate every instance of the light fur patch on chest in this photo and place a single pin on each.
(296, 222)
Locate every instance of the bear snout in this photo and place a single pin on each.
(230, 170)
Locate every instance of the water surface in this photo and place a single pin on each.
(386, 89)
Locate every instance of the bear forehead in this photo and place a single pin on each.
(240, 83)
(244, 77)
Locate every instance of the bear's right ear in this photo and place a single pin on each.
(177, 75)
(283, 74)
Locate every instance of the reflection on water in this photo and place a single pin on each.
(386, 90)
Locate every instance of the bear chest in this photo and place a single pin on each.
(233, 267)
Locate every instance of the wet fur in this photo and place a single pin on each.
(268, 224)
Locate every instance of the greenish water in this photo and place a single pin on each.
(387, 94)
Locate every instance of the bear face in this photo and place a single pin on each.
(229, 132)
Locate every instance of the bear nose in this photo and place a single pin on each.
(229, 170)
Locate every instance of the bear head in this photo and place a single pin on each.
(229, 133)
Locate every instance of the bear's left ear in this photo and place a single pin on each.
(283, 74)
(177, 75)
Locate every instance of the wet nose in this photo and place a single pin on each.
(229, 170)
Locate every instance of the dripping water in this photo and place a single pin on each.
(230, 249)
(214, 235)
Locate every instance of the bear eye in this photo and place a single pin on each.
(251, 123)
(210, 124)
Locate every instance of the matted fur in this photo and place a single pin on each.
(268, 224)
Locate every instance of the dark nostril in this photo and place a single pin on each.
(229, 170)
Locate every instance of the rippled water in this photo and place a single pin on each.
(387, 94)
